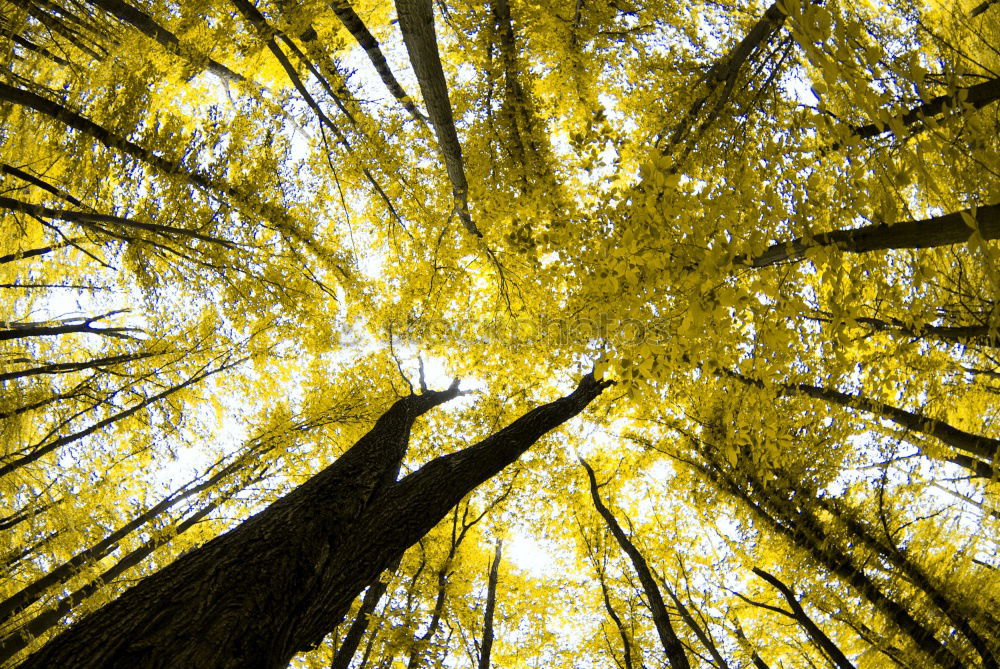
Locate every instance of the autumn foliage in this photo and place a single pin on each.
(236, 233)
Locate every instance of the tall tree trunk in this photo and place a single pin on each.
(457, 537)
(983, 448)
(744, 642)
(699, 631)
(976, 96)
(275, 585)
(147, 26)
(84, 218)
(245, 197)
(416, 22)
(616, 619)
(491, 605)
(941, 230)
(977, 335)
(39, 450)
(67, 367)
(723, 75)
(802, 529)
(350, 19)
(802, 618)
(349, 646)
(40, 183)
(672, 646)
(915, 574)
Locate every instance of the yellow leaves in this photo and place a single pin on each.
(969, 219)
(601, 368)
(638, 261)
(731, 454)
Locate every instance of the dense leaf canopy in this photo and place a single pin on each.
(232, 233)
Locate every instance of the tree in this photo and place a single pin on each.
(242, 238)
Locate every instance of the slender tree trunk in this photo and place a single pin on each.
(723, 75)
(26, 513)
(56, 25)
(19, 639)
(457, 537)
(82, 389)
(84, 217)
(67, 570)
(421, 644)
(31, 46)
(268, 34)
(11, 559)
(22, 330)
(977, 96)
(984, 448)
(103, 135)
(744, 643)
(815, 633)
(31, 253)
(147, 26)
(905, 566)
(599, 568)
(416, 22)
(616, 619)
(40, 450)
(67, 367)
(803, 531)
(349, 646)
(40, 183)
(307, 556)
(980, 335)
(276, 216)
(349, 18)
(700, 632)
(672, 646)
(491, 605)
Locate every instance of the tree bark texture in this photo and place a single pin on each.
(275, 585)
(350, 19)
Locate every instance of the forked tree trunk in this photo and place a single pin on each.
(275, 585)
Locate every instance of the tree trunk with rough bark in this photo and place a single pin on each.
(275, 585)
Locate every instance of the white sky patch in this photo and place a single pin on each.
(532, 556)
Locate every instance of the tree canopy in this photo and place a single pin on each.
(238, 235)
